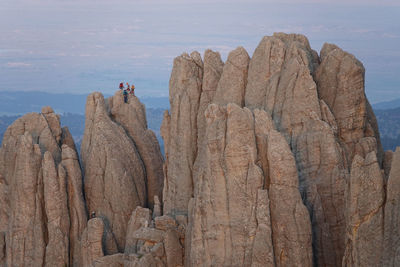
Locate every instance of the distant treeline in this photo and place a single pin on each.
(389, 127)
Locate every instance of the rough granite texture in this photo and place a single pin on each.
(317, 105)
(42, 205)
(115, 177)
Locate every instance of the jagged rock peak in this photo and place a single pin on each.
(40, 193)
(121, 160)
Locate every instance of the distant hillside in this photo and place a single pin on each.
(387, 104)
(13, 103)
(389, 127)
(18, 103)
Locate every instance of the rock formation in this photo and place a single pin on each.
(391, 235)
(41, 193)
(312, 111)
(273, 160)
(179, 131)
(121, 160)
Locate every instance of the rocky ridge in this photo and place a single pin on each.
(270, 160)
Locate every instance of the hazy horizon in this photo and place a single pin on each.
(82, 46)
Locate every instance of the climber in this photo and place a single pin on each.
(93, 215)
(121, 86)
(132, 89)
(125, 96)
(128, 87)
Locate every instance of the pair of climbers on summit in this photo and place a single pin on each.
(129, 89)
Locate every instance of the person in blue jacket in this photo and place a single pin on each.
(125, 96)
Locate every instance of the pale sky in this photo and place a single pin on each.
(86, 45)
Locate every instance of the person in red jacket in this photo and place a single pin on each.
(121, 86)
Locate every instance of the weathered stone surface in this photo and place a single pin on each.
(307, 123)
(2, 249)
(145, 260)
(91, 242)
(53, 120)
(223, 226)
(132, 117)
(266, 61)
(148, 234)
(141, 217)
(20, 166)
(291, 229)
(233, 81)
(340, 80)
(164, 222)
(223, 216)
(34, 189)
(213, 67)
(40, 132)
(115, 181)
(372, 130)
(67, 139)
(157, 207)
(25, 233)
(56, 207)
(387, 163)
(147, 244)
(116, 260)
(173, 248)
(179, 131)
(263, 250)
(4, 205)
(391, 241)
(77, 209)
(364, 216)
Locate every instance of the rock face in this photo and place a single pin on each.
(37, 218)
(391, 236)
(284, 126)
(231, 204)
(157, 242)
(121, 160)
(179, 131)
(132, 117)
(365, 199)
